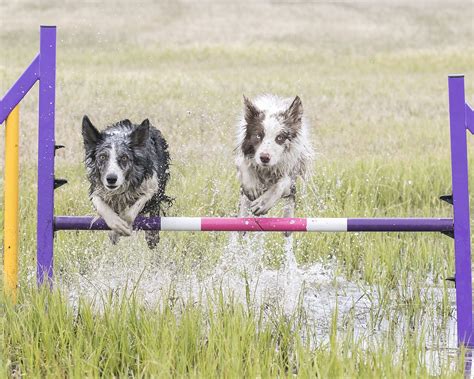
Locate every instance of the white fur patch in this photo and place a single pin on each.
(113, 168)
(268, 146)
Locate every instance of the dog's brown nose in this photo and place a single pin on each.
(265, 157)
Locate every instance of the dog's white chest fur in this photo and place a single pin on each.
(121, 201)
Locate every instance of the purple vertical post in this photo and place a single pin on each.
(462, 229)
(47, 78)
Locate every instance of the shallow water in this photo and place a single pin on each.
(317, 292)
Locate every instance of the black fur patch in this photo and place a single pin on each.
(90, 134)
(140, 134)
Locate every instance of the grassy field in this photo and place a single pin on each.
(373, 79)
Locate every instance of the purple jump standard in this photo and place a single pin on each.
(46, 149)
(460, 121)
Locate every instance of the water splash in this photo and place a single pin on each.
(317, 291)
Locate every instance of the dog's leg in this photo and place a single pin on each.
(289, 210)
(131, 213)
(244, 206)
(280, 189)
(149, 189)
(249, 182)
(111, 218)
(152, 237)
(290, 205)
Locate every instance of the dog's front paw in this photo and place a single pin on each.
(251, 192)
(118, 225)
(260, 206)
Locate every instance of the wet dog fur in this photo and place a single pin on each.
(128, 169)
(273, 151)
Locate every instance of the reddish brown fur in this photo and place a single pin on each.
(254, 129)
(292, 116)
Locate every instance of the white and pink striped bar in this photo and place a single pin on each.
(263, 224)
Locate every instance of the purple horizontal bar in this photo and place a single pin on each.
(88, 223)
(400, 225)
(353, 224)
(19, 89)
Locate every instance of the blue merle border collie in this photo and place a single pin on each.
(273, 151)
(128, 169)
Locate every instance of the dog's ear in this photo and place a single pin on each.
(294, 113)
(141, 134)
(90, 134)
(251, 112)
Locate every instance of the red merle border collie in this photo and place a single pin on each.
(273, 150)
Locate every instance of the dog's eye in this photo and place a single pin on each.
(102, 157)
(280, 138)
(259, 136)
(124, 159)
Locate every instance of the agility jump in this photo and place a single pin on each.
(43, 69)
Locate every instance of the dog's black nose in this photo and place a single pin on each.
(111, 179)
(265, 157)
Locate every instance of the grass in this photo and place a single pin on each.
(45, 337)
(372, 77)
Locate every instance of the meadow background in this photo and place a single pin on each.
(372, 76)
